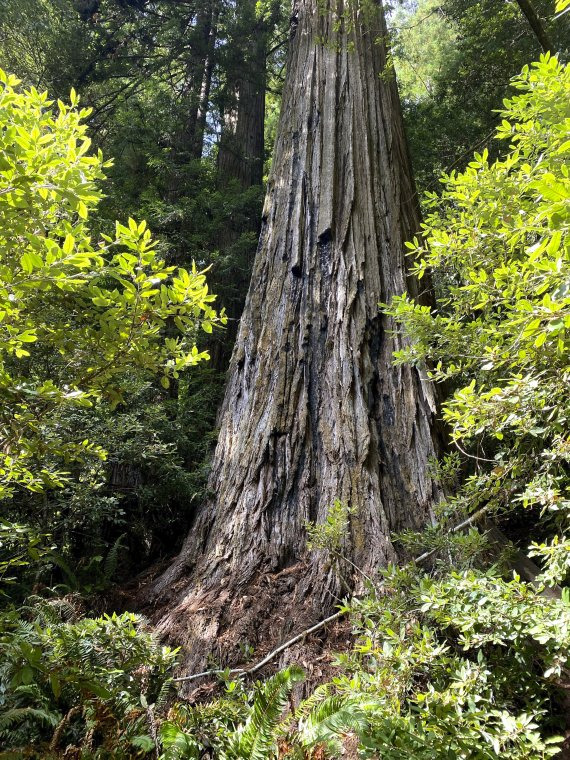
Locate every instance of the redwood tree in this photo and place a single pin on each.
(314, 409)
(241, 153)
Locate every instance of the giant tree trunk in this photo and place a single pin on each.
(314, 408)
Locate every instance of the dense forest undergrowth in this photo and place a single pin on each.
(389, 494)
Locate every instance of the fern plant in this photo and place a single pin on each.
(91, 682)
(256, 739)
(245, 727)
(325, 720)
(260, 726)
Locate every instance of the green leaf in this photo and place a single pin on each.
(68, 244)
(55, 685)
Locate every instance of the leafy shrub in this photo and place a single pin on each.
(499, 235)
(77, 317)
(91, 682)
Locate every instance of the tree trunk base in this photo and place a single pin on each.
(315, 410)
(227, 624)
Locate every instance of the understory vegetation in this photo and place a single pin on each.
(109, 404)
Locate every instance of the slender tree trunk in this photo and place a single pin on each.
(204, 99)
(241, 147)
(314, 408)
(529, 12)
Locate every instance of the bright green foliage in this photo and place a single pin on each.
(77, 316)
(245, 726)
(500, 235)
(255, 739)
(329, 534)
(89, 682)
(485, 609)
(430, 701)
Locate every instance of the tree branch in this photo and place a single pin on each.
(270, 656)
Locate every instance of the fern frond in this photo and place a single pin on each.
(112, 559)
(16, 715)
(304, 708)
(166, 689)
(72, 579)
(177, 744)
(256, 739)
(312, 702)
(329, 719)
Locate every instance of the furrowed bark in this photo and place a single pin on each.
(314, 408)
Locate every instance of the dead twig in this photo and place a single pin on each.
(469, 521)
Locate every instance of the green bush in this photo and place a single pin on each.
(89, 682)
(77, 316)
(499, 238)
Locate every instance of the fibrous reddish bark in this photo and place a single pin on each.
(314, 409)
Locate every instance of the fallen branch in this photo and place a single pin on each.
(61, 726)
(270, 656)
(312, 629)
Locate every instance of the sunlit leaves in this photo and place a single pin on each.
(103, 308)
(499, 238)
